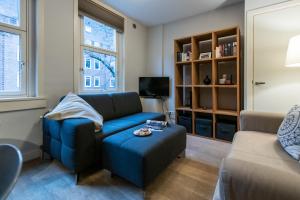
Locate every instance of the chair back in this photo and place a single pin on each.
(10, 168)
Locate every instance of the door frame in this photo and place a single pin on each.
(249, 47)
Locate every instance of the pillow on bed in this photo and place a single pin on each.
(72, 106)
(289, 132)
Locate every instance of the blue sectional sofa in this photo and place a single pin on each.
(74, 142)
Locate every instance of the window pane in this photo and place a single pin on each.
(9, 62)
(87, 81)
(10, 12)
(99, 35)
(105, 74)
(97, 81)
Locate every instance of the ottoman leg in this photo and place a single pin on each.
(77, 176)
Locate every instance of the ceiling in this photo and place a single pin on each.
(155, 12)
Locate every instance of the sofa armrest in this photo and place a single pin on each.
(241, 179)
(78, 144)
(260, 121)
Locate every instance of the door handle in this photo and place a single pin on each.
(260, 83)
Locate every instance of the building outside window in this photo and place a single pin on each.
(13, 79)
(100, 46)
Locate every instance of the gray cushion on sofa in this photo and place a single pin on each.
(289, 132)
(126, 103)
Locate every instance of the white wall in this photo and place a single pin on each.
(26, 126)
(210, 21)
(59, 37)
(135, 53)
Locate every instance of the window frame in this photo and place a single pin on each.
(117, 54)
(20, 30)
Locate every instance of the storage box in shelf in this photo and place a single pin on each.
(187, 122)
(203, 127)
(225, 131)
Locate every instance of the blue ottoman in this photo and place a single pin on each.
(140, 159)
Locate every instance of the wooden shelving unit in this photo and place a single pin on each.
(214, 100)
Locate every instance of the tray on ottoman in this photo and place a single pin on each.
(140, 159)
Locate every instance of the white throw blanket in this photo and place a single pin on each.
(72, 106)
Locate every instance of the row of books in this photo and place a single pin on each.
(181, 57)
(227, 49)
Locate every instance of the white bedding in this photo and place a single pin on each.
(72, 106)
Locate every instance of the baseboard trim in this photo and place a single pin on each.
(31, 155)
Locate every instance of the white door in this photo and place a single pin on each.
(275, 87)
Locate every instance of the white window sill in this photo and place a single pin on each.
(22, 103)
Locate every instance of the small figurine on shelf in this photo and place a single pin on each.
(222, 80)
(207, 80)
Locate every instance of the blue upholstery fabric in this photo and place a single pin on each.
(120, 124)
(126, 103)
(141, 159)
(78, 143)
(52, 139)
(102, 103)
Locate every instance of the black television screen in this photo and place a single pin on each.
(154, 87)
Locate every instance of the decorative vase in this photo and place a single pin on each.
(207, 80)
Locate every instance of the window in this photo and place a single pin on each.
(100, 47)
(13, 69)
(112, 82)
(88, 81)
(87, 64)
(88, 29)
(97, 64)
(97, 81)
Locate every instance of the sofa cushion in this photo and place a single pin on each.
(258, 168)
(126, 103)
(262, 148)
(102, 103)
(113, 126)
(289, 132)
(142, 117)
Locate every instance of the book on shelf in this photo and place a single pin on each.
(183, 57)
(227, 49)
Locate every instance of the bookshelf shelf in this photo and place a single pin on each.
(182, 86)
(184, 62)
(226, 58)
(203, 61)
(194, 97)
(184, 109)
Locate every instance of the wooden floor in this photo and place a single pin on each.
(193, 177)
